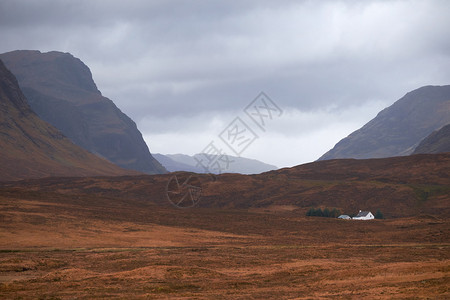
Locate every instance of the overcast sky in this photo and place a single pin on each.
(183, 70)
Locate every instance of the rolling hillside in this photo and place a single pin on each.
(399, 187)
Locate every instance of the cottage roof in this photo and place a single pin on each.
(363, 213)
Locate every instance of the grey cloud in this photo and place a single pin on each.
(181, 59)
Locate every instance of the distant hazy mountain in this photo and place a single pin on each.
(437, 142)
(233, 164)
(184, 159)
(172, 165)
(60, 89)
(32, 148)
(398, 129)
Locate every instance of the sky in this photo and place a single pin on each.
(185, 70)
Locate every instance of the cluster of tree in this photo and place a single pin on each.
(326, 212)
(378, 215)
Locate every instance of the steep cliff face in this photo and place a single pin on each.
(60, 89)
(398, 129)
(32, 148)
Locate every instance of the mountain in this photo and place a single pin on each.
(185, 160)
(173, 165)
(232, 164)
(32, 148)
(437, 142)
(398, 129)
(60, 89)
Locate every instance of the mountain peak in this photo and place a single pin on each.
(398, 129)
(60, 89)
(55, 70)
(31, 148)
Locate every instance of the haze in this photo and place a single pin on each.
(183, 70)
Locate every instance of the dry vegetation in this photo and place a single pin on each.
(67, 244)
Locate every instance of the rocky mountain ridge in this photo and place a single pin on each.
(32, 148)
(398, 129)
(60, 89)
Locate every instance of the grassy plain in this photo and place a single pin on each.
(71, 246)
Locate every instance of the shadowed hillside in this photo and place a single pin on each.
(398, 129)
(437, 142)
(399, 186)
(30, 147)
(60, 89)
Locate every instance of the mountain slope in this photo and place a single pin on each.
(437, 142)
(60, 89)
(32, 148)
(398, 186)
(232, 164)
(398, 129)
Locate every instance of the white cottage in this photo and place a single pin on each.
(364, 215)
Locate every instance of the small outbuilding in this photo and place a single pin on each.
(364, 215)
(345, 217)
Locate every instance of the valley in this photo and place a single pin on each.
(119, 237)
(224, 150)
(120, 249)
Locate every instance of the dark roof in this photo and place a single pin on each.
(363, 213)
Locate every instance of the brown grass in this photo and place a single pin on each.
(61, 246)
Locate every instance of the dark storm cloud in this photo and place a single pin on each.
(194, 60)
